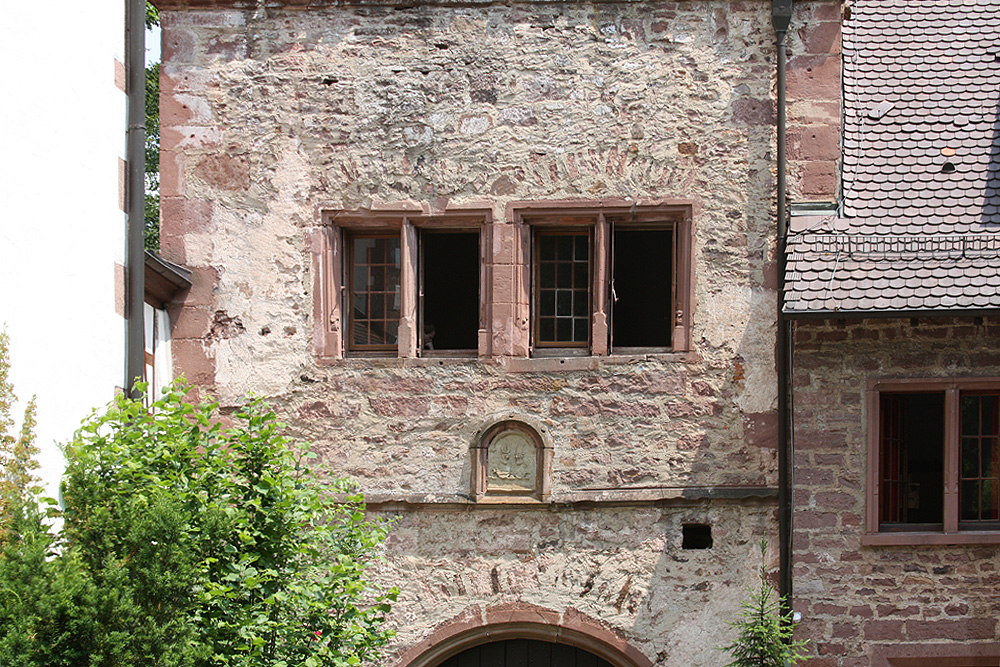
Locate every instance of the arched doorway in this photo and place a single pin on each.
(525, 653)
(523, 635)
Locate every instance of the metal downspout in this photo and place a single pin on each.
(135, 67)
(781, 15)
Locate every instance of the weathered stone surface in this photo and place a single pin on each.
(278, 114)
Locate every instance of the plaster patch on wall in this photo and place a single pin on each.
(760, 389)
(723, 315)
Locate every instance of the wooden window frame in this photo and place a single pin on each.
(350, 293)
(600, 218)
(950, 532)
(536, 287)
(331, 280)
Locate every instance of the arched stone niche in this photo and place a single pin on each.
(511, 460)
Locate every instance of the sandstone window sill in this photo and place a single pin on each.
(512, 364)
(929, 539)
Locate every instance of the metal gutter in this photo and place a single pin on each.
(887, 314)
(135, 69)
(781, 16)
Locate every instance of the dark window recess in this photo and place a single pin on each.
(641, 288)
(562, 288)
(696, 536)
(912, 467)
(980, 458)
(450, 287)
(525, 653)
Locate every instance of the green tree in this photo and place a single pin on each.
(152, 175)
(18, 483)
(764, 633)
(189, 542)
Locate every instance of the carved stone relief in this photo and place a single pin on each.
(511, 463)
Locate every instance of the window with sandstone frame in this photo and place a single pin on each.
(606, 279)
(934, 461)
(398, 283)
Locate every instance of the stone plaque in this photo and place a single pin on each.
(511, 463)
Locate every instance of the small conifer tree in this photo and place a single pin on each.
(765, 634)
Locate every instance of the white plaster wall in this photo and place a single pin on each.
(62, 131)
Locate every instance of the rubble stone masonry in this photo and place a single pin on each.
(274, 115)
(858, 601)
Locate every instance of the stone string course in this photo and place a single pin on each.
(853, 596)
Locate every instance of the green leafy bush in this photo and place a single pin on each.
(189, 542)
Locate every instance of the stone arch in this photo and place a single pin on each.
(476, 626)
(516, 435)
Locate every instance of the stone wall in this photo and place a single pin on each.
(621, 565)
(272, 115)
(856, 598)
(813, 90)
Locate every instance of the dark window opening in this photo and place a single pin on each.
(912, 461)
(980, 458)
(562, 288)
(450, 290)
(642, 288)
(374, 274)
(696, 536)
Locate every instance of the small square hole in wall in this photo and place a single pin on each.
(697, 536)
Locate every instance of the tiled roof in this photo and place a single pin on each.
(921, 164)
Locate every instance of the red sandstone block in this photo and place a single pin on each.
(831, 335)
(827, 609)
(175, 111)
(226, 172)
(818, 179)
(842, 630)
(177, 45)
(959, 609)
(830, 648)
(192, 361)
(811, 519)
(504, 279)
(814, 77)
(505, 243)
(750, 111)
(814, 477)
(400, 407)
(878, 629)
(964, 629)
(190, 322)
(204, 280)
(171, 174)
(827, 10)
(863, 611)
(814, 143)
(184, 216)
(172, 248)
(821, 37)
(835, 500)
(820, 440)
